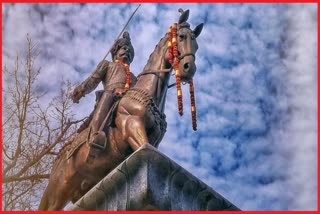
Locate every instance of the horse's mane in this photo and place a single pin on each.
(158, 47)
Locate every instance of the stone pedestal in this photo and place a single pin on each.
(148, 180)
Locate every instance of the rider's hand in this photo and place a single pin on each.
(76, 95)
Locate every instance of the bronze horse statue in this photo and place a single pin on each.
(138, 119)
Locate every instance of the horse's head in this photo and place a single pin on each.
(187, 46)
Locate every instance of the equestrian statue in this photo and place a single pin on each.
(128, 114)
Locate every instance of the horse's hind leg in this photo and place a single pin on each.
(57, 192)
(52, 202)
(44, 201)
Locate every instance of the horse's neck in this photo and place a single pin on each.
(156, 83)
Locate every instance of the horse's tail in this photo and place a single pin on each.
(44, 203)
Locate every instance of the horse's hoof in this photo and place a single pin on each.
(98, 140)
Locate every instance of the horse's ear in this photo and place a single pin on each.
(184, 16)
(198, 30)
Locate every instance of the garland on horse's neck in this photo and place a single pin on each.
(127, 69)
(174, 59)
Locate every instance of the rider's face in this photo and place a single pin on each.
(124, 54)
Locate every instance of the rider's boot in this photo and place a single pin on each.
(97, 143)
(97, 138)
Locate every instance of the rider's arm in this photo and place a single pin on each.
(91, 82)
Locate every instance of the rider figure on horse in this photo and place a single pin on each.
(116, 79)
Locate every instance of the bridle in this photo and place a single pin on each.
(187, 54)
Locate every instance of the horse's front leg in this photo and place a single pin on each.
(131, 124)
(136, 132)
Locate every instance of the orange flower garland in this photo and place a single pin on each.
(170, 56)
(193, 105)
(173, 58)
(127, 69)
(176, 68)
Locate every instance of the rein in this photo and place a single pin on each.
(146, 72)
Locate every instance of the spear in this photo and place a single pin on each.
(125, 26)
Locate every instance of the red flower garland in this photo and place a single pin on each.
(176, 68)
(170, 56)
(193, 105)
(174, 59)
(128, 79)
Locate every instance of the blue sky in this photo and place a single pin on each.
(256, 87)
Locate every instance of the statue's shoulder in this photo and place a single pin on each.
(104, 63)
(103, 66)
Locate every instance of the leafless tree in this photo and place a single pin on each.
(33, 132)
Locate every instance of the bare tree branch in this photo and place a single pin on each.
(31, 178)
(19, 195)
(32, 133)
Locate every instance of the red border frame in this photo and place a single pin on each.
(163, 1)
(1, 109)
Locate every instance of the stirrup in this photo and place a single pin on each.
(96, 138)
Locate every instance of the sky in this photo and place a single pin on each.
(255, 87)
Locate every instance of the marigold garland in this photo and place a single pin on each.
(173, 58)
(127, 69)
(170, 56)
(193, 105)
(176, 68)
